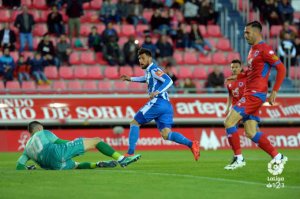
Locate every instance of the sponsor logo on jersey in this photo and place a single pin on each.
(159, 73)
(256, 53)
(275, 58)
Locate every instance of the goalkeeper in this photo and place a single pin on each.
(52, 153)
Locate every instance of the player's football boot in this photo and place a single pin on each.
(282, 160)
(196, 149)
(107, 164)
(128, 160)
(236, 163)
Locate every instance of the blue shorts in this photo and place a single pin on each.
(157, 109)
(63, 154)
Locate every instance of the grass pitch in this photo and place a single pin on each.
(158, 174)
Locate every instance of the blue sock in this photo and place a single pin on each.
(180, 139)
(134, 134)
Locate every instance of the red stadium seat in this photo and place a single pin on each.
(74, 86)
(51, 72)
(45, 88)
(85, 29)
(126, 70)
(206, 60)
(86, 6)
(96, 4)
(94, 72)
(227, 71)
(36, 15)
(203, 30)
(44, 16)
(15, 55)
(26, 2)
(214, 31)
(191, 58)
(105, 86)
(122, 41)
(199, 73)
(13, 86)
(275, 30)
(199, 86)
(117, 28)
(14, 14)
(75, 58)
(2, 88)
(111, 73)
(59, 86)
(147, 14)
(136, 87)
(219, 58)
(185, 72)
(88, 58)
(5, 16)
(28, 87)
(140, 28)
(233, 55)
(137, 71)
(295, 72)
(66, 72)
(80, 72)
(127, 30)
(223, 44)
(120, 86)
(40, 29)
(178, 57)
(39, 4)
(89, 86)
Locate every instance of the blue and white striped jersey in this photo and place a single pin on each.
(156, 79)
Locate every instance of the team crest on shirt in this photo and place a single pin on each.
(275, 58)
(241, 84)
(256, 53)
(159, 73)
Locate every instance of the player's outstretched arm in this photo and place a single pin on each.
(21, 163)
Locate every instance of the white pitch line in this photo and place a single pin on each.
(198, 177)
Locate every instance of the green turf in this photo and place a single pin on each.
(158, 174)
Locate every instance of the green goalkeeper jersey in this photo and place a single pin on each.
(38, 148)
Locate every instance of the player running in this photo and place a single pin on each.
(158, 108)
(260, 59)
(52, 153)
(235, 92)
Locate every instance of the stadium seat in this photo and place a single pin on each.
(80, 72)
(59, 86)
(51, 72)
(199, 86)
(126, 70)
(185, 72)
(219, 58)
(45, 89)
(203, 30)
(13, 86)
(275, 30)
(199, 73)
(66, 72)
(5, 16)
(100, 59)
(147, 14)
(178, 57)
(94, 72)
(85, 29)
(140, 28)
(122, 41)
(44, 16)
(105, 86)
(14, 14)
(214, 31)
(191, 58)
(233, 55)
(120, 86)
(28, 87)
(74, 86)
(88, 58)
(14, 55)
(2, 88)
(26, 2)
(223, 44)
(295, 72)
(117, 28)
(206, 60)
(137, 71)
(136, 87)
(127, 30)
(96, 4)
(39, 4)
(36, 15)
(90, 86)
(75, 58)
(111, 73)
(227, 71)
(40, 29)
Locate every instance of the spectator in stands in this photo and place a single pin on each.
(135, 13)
(297, 44)
(109, 12)
(207, 13)
(270, 13)
(197, 40)
(95, 40)
(37, 65)
(150, 46)
(189, 86)
(286, 29)
(22, 69)
(130, 50)
(25, 22)
(15, 4)
(287, 51)
(55, 22)
(160, 24)
(168, 71)
(178, 4)
(112, 53)
(74, 11)
(109, 32)
(165, 51)
(57, 3)
(215, 80)
(190, 10)
(286, 11)
(63, 50)
(182, 37)
(7, 37)
(47, 50)
(7, 66)
(122, 9)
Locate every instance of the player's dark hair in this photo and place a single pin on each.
(144, 51)
(32, 125)
(255, 24)
(236, 61)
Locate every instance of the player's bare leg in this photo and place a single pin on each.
(262, 141)
(167, 134)
(230, 124)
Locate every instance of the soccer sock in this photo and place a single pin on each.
(134, 134)
(180, 139)
(86, 165)
(262, 141)
(234, 140)
(107, 150)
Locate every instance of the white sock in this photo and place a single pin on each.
(120, 158)
(239, 157)
(278, 156)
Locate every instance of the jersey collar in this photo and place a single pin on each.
(148, 68)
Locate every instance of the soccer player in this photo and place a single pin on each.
(235, 92)
(260, 59)
(158, 108)
(52, 153)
